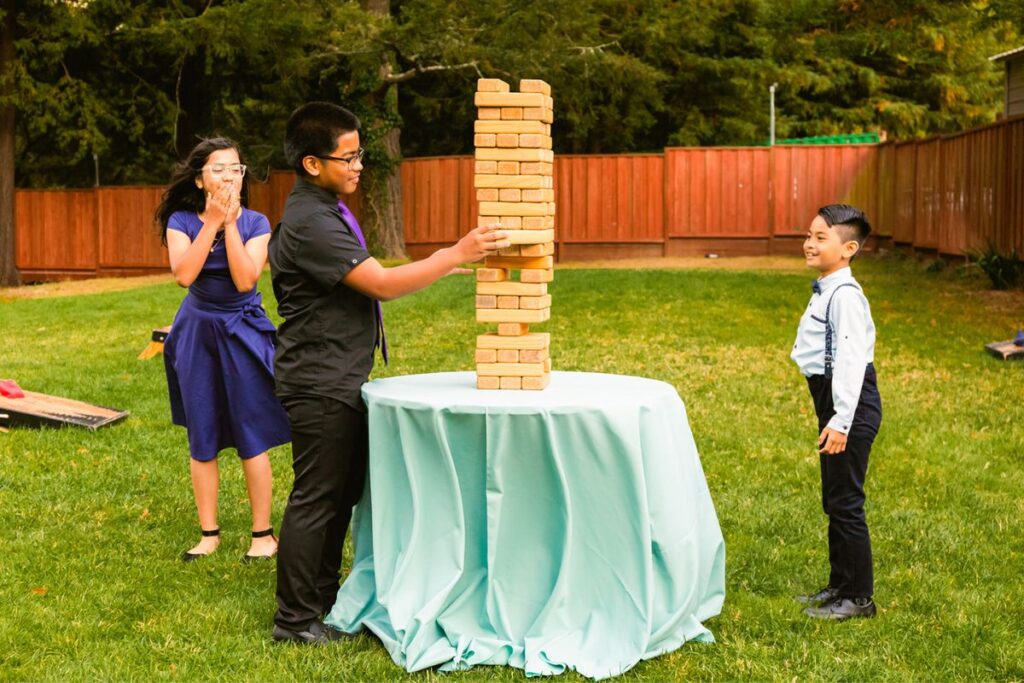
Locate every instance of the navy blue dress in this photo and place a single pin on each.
(219, 356)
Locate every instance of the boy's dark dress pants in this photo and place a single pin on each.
(842, 487)
(329, 457)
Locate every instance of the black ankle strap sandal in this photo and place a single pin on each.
(192, 557)
(265, 532)
(247, 558)
(211, 532)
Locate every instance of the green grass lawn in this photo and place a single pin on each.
(93, 523)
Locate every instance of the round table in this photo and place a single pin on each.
(570, 528)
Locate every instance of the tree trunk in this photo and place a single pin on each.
(383, 199)
(8, 268)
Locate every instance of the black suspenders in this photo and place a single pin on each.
(828, 328)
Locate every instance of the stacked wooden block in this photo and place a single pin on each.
(514, 187)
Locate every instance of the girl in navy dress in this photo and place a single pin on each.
(219, 355)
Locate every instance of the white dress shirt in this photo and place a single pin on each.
(853, 342)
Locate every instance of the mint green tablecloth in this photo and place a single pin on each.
(565, 528)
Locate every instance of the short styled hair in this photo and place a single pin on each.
(849, 220)
(313, 130)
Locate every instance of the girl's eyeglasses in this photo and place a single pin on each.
(226, 170)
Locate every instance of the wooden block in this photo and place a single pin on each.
(513, 288)
(491, 356)
(532, 85)
(545, 249)
(514, 250)
(533, 340)
(491, 275)
(512, 329)
(489, 114)
(547, 364)
(510, 383)
(487, 195)
(505, 302)
(515, 154)
(506, 140)
(505, 222)
(517, 263)
(531, 302)
(537, 114)
(525, 182)
(532, 140)
(537, 168)
(486, 301)
(538, 222)
(484, 382)
(525, 355)
(538, 195)
(512, 315)
(498, 85)
(507, 168)
(484, 140)
(485, 167)
(511, 113)
(511, 369)
(527, 127)
(537, 383)
(504, 355)
(517, 208)
(510, 194)
(546, 275)
(530, 237)
(510, 99)
(549, 102)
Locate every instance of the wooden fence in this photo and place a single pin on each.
(947, 194)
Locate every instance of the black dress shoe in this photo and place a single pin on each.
(316, 633)
(825, 595)
(843, 608)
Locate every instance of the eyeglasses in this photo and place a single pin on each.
(349, 160)
(229, 170)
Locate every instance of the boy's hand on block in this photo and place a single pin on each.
(481, 242)
(831, 441)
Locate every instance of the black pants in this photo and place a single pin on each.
(329, 455)
(842, 487)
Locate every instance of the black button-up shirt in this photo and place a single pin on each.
(325, 343)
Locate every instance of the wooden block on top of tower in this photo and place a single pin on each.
(527, 154)
(524, 182)
(512, 126)
(517, 208)
(511, 99)
(512, 288)
(510, 369)
(544, 249)
(536, 383)
(533, 340)
(540, 275)
(487, 301)
(512, 329)
(487, 382)
(519, 263)
(532, 302)
(534, 85)
(489, 114)
(492, 275)
(510, 383)
(512, 315)
(530, 237)
(498, 85)
(511, 113)
(485, 140)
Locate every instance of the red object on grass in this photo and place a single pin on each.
(10, 389)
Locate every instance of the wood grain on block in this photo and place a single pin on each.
(488, 356)
(525, 182)
(491, 275)
(532, 302)
(485, 167)
(533, 140)
(487, 195)
(485, 382)
(507, 168)
(510, 383)
(517, 208)
(533, 340)
(498, 85)
(514, 315)
(505, 302)
(489, 114)
(538, 195)
(546, 275)
(513, 329)
(549, 102)
(503, 222)
(512, 288)
(506, 140)
(485, 140)
(530, 237)
(537, 168)
(511, 113)
(510, 99)
(510, 194)
(486, 301)
(517, 263)
(510, 369)
(516, 154)
(538, 222)
(526, 355)
(504, 355)
(514, 250)
(546, 249)
(536, 383)
(547, 364)
(527, 127)
(537, 114)
(533, 85)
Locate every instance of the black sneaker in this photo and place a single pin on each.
(824, 596)
(316, 633)
(841, 609)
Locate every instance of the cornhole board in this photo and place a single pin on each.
(156, 343)
(43, 410)
(1006, 350)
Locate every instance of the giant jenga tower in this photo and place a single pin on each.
(514, 187)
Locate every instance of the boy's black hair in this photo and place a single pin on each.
(850, 220)
(313, 130)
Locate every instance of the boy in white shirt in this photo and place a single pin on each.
(834, 349)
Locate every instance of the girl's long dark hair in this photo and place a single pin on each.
(182, 193)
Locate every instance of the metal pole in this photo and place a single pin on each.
(771, 90)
